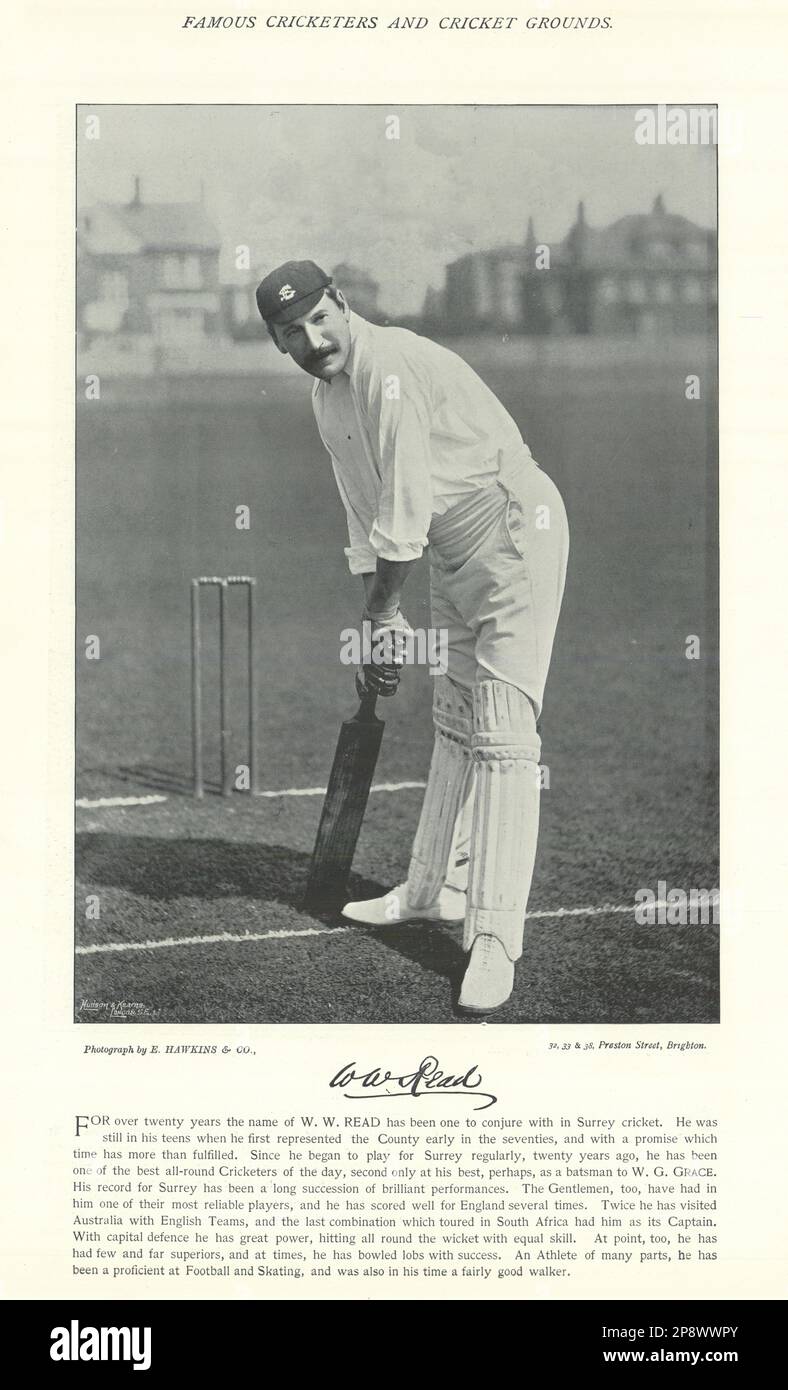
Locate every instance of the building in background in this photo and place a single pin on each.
(360, 289)
(484, 291)
(240, 315)
(646, 273)
(149, 295)
(148, 269)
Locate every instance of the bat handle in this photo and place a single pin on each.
(368, 699)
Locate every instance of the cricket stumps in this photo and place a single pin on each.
(225, 735)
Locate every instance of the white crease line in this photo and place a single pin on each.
(206, 940)
(240, 938)
(605, 910)
(321, 791)
(85, 803)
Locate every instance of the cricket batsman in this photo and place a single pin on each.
(426, 458)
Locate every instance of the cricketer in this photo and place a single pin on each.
(427, 459)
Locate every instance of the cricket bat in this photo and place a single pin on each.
(354, 763)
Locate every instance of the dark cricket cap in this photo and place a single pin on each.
(291, 290)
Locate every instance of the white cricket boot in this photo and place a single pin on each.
(394, 907)
(489, 978)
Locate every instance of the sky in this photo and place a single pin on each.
(325, 182)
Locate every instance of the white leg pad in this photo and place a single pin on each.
(459, 855)
(448, 788)
(506, 748)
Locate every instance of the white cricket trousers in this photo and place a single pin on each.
(497, 570)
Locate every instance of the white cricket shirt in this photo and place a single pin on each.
(411, 429)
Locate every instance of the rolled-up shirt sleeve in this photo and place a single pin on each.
(397, 409)
(361, 557)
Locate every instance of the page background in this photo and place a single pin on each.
(61, 56)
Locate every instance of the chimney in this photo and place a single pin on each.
(659, 206)
(577, 239)
(137, 199)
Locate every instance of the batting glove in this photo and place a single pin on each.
(393, 627)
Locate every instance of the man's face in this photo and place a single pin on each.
(318, 341)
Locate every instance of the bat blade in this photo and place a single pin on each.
(346, 798)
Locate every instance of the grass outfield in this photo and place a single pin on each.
(629, 727)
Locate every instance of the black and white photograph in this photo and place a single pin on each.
(397, 603)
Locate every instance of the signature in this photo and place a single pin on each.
(426, 1077)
